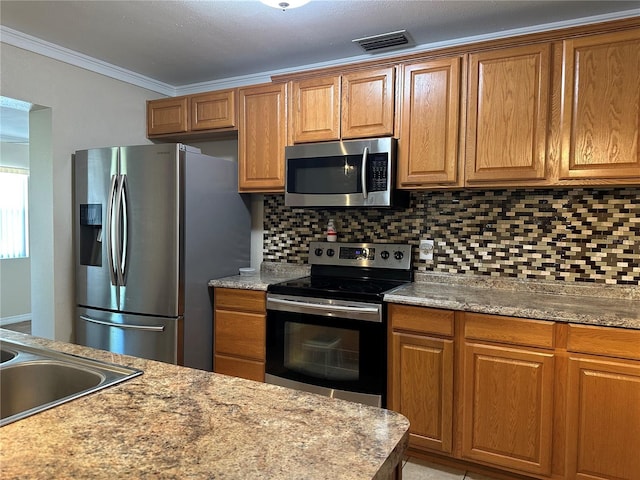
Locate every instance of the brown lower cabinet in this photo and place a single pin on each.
(239, 333)
(517, 398)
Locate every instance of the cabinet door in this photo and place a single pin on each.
(507, 115)
(368, 100)
(428, 148)
(262, 137)
(603, 421)
(508, 407)
(601, 109)
(241, 334)
(422, 373)
(316, 109)
(213, 110)
(167, 115)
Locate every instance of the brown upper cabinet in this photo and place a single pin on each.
(209, 111)
(352, 105)
(167, 115)
(429, 149)
(262, 136)
(213, 110)
(508, 110)
(601, 107)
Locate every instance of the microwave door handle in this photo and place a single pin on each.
(363, 175)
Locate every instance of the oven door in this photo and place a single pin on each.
(331, 347)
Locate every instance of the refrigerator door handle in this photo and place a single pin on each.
(110, 232)
(126, 326)
(124, 209)
(119, 233)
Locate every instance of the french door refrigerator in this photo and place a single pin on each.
(153, 224)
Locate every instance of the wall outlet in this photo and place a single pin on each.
(426, 249)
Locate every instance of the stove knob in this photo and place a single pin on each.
(384, 254)
(330, 252)
(318, 252)
(398, 255)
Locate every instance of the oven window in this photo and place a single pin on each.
(321, 351)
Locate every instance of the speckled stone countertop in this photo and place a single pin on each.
(269, 273)
(593, 305)
(174, 422)
(603, 305)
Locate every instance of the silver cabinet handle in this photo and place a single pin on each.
(363, 176)
(130, 326)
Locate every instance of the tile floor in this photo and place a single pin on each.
(22, 327)
(416, 469)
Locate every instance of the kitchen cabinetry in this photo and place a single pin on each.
(421, 370)
(209, 111)
(167, 115)
(601, 108)
(213, 110)
(603, 413)
(507, 399)
(239, 336)
(508, 110)
(352, 105)
(429, 149)
(262, 136)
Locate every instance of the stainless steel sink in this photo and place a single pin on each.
(33, 379)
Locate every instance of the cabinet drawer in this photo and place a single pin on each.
(423, 320)
(517, 331)
(614, 342)
(236, 299)
(239, 367)
(241, 334)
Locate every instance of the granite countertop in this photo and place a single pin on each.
(268, 274)
(601, 305)
(177, 422)
(592, 305)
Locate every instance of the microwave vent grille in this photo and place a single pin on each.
(385, 41)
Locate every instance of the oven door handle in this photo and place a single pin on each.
(331, 308)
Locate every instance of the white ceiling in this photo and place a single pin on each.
(187, 41)
(191, 45)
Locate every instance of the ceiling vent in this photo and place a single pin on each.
(385, 41)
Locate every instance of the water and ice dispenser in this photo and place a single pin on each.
(91, 234)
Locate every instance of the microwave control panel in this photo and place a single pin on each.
(378, 173)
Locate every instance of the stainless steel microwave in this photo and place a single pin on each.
(350, 173)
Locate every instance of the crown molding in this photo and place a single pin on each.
(33, 44)
(77, 59)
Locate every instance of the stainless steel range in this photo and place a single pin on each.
(327, 333)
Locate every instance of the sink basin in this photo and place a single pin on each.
(33, 379)
(6, 355)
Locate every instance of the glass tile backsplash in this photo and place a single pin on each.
(573, 235)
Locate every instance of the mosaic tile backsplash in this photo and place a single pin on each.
(575, 235)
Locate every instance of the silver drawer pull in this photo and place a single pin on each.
(149, 328)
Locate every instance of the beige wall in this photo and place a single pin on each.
(15, 288)
(85, 110)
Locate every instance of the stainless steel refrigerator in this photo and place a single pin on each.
(153, 224)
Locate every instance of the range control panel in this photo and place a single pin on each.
(375, 255)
